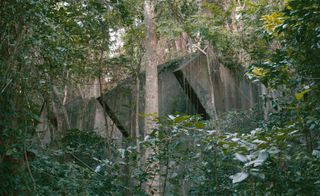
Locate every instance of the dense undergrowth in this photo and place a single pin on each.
(188, 156)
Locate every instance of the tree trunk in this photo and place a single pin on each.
(151, 87)
(137, 127)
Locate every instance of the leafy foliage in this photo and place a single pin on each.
(78, 166)
(46, 43)
(215, 162)
(43, 45)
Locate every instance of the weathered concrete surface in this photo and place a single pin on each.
(121, 102)
(83, 114)
(185, 86)
(122, 99)
(232, 91)
(88, 114)
(172, 98)
(190, 85)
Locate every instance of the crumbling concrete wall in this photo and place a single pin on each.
(193, 85)
(88, 114)
(232, 91)
(185, 86)
(121, 102)
(122, 99)
(83, 114)
(172, 98)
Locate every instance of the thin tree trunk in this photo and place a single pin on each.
(60, 109)
(137, 111)
(212, 94)
(136, 72)
(80, 91)
(108, 134)
(65, 97)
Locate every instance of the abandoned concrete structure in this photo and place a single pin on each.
(185, 86)
(191, 85)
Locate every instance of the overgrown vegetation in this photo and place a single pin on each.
(46, 46)
(193, 159)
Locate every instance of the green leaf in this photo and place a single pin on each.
(239, 177)
(241, 157)
(316, 153)
(300, 95)
(181, 118)
(199, 125)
